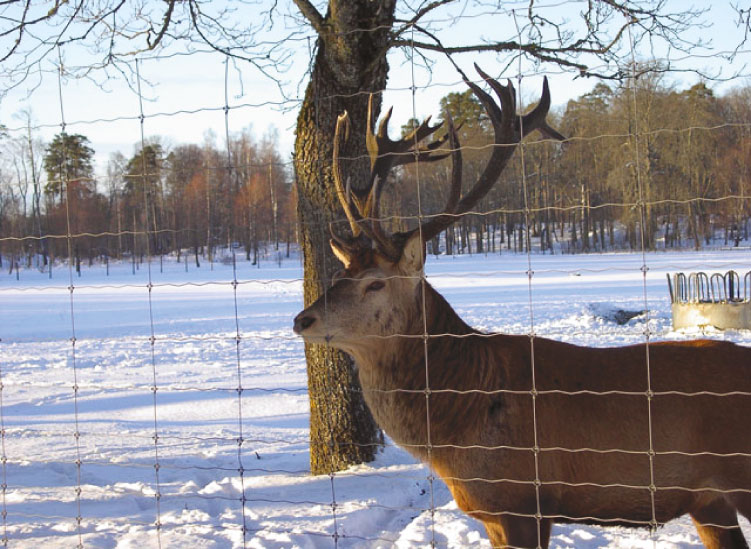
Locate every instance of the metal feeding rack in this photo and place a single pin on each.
(722, 301)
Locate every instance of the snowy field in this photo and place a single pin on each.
(157, 408)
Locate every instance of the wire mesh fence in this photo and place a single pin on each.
(152, 390)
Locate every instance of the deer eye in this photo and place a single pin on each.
(375, 286)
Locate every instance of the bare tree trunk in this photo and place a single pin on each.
(350, 59)
(274, 209)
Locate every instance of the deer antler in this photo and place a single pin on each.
(385, 153)
(509, 129)
(344, 195)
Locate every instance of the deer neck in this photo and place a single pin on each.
(395, 373)
(398, 362)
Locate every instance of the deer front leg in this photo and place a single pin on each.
(717, 524)
(519, 532)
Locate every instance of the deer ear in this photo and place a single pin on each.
(340, 253)
(413, 255)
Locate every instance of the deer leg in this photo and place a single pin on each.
(496, 534)
(717, 524)
(518, 532)
(742, 502)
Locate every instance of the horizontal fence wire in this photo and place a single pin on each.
(393, 218)
(224, 462)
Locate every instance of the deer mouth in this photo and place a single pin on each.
(305, 325)
(302, 322)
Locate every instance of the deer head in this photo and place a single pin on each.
(376, 294)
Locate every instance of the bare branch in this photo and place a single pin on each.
(311, 14)
(546, 40)
(744, 21)
(166, 20)
(541, 53)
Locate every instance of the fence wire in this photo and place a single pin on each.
(188, 447)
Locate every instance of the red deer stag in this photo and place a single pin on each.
(527, 431)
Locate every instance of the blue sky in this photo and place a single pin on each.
(189, 91)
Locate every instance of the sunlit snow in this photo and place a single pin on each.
(158, 410)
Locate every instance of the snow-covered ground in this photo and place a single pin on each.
(157, 408)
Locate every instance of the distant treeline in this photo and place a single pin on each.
(646, 165)
(190, 199)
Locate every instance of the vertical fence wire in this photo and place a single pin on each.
(330, 428)
(423, 303)
(643, 202)
(65, 182)
(745, 138)
(3, 461)
(530, 274)
(329, 425)
(644, 271)
(323, 226)
(150, 287)
(238, 336)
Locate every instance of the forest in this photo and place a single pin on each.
(188, 200)
(645, 165)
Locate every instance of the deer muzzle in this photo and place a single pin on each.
(303, 321)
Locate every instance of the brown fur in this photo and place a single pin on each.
(481, 419)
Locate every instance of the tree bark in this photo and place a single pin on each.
(350, 62)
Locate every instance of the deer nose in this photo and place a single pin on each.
(303, 321)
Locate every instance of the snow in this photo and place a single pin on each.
(157, 351)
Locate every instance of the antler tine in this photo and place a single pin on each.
(423, 154)
(509, 129)
(362, 213)
(433, 227)
(341, 242)
(420, 132)
(371, 138)
(506, 96)
(456, 165)
(536, 118)
(384, 123)
(386, 153)
(508, 120)
(375, 231)
(344, 194)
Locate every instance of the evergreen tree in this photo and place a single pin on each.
(143, 172)
(69, 157)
